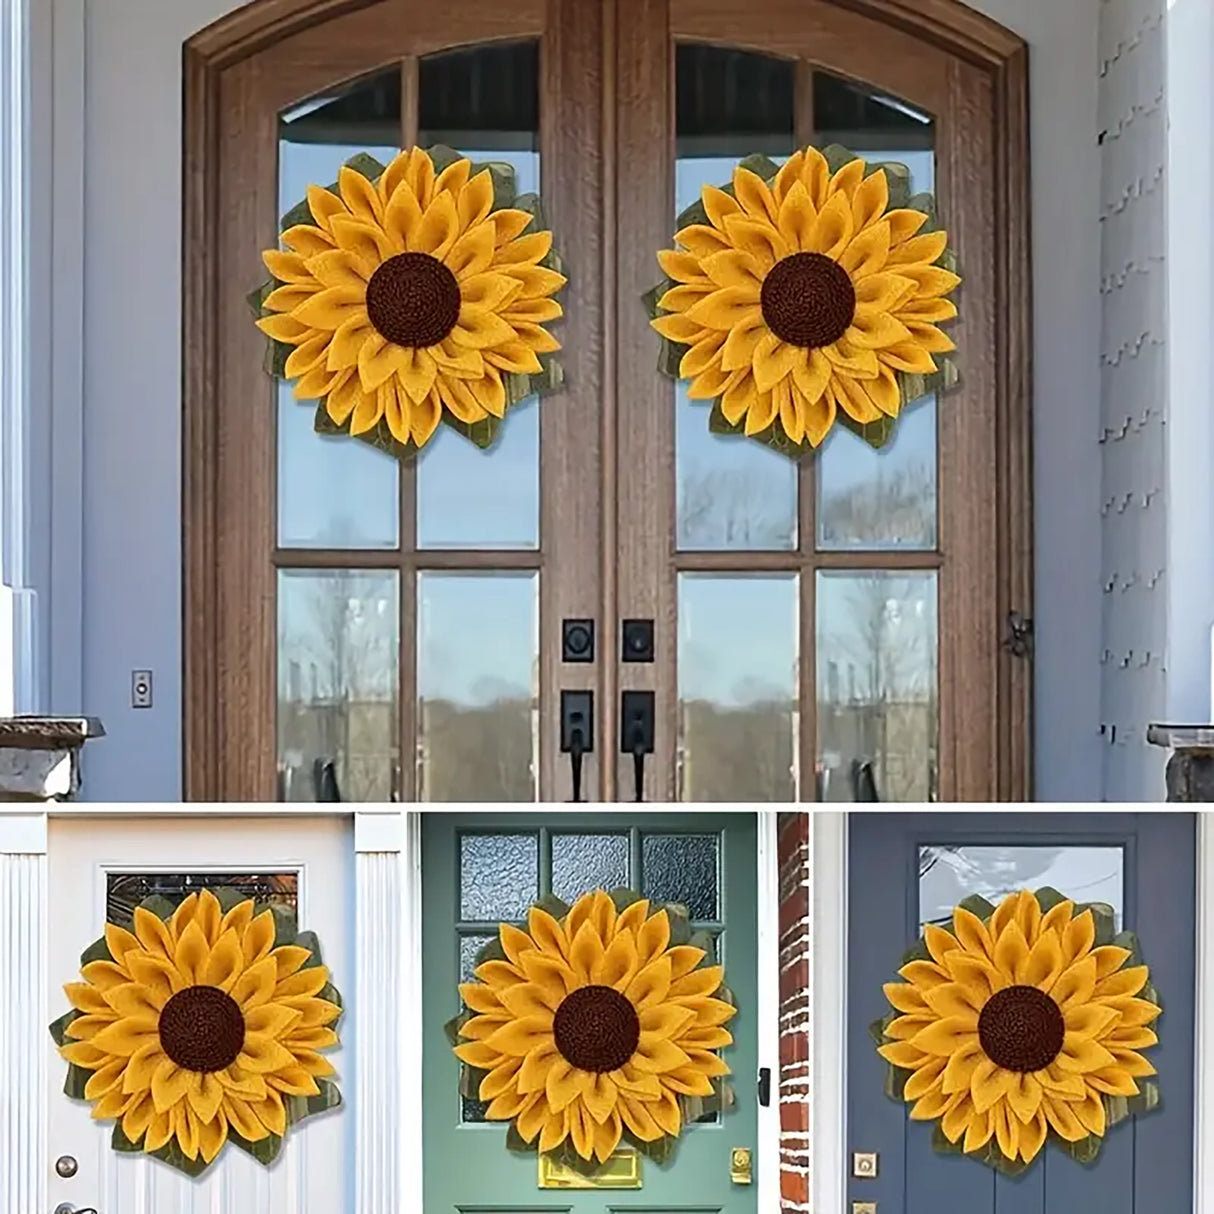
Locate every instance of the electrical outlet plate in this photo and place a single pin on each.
(141, 689)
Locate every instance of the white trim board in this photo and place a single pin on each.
(828, 1022)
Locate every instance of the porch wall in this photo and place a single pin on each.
(794, 1011)
(1135, 507)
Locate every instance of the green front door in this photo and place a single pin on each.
(481, 870)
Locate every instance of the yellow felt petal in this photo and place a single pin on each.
(438, 228)
(820, 417)
(417, 371)
(725, 308)
(307, 240)
(402, 217)
(479, 328)
(959, 1067)
(652, 983)
(774, 360)
(331, 308)
(989, 1083)
(360, 196)
(734, 268)
(509, 223)
(946, 1036)
(904, 223)
(366, 242)
(758, 239)
(704, 354)
(852, 398)
(1044, 963)
(1076, 984)
(325, 206)
(472, 253)
(1080, 1054)
(424, 417)
(754, 195)
(286, 267)
(762, 412)
(930, 281)
(870, 200)
(833, 228)
(868, 251)
(475, 200)
(1122, 982)
(701, 240)
(921, 250)
(525, 251)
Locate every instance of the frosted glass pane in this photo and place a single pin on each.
(682, 868)
(585, 862)
(499, 876)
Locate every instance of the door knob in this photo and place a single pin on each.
(66, 1207)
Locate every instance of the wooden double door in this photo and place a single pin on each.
(372, 629)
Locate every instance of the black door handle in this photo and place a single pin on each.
(765, 1086)
(577, 733)
(637, 726)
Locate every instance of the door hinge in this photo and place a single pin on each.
(1019, 639)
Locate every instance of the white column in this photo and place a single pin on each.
(18, 680)
(25, 1044)
(388, 1012)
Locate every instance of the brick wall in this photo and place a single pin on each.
(794, 1012)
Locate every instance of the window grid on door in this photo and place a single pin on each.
(502, 873)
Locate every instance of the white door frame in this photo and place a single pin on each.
(828, 1000)
(388, 922)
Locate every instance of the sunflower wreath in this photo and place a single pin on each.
(806, 294)
(201, 1026)
(412, 294)
(598, 1024)
(1022, 1025)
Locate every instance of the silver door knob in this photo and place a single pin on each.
(66, 1207)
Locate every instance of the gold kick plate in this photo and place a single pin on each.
(621, 1171)
(863, 1207)
(740, 1170)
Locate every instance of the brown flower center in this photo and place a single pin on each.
(1021, 1029)
(202, 1029)
(596, 1029)
(413, 300)
(808, 300)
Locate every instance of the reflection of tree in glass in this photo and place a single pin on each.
(478, 752)
(740, 753)
(337, 683)
(732, 508)
(896, 507)
(888, 711)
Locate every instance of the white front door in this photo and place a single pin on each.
(99, 869)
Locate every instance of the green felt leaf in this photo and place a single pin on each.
(160, 906)
(284, 925)
(58, 1029)
(516, 1142)
(491, 950)
(977, 905)
(97, 951)
(75, 1080)
(309, 941)
(1048, 898)
(555, 906)
(120, 1142)
(622, 898)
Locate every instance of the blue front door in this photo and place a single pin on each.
(909, 869)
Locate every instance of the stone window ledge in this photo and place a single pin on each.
(40, 756)
(1190, 771)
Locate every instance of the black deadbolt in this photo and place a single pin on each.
(637, 641)
(577, 640)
